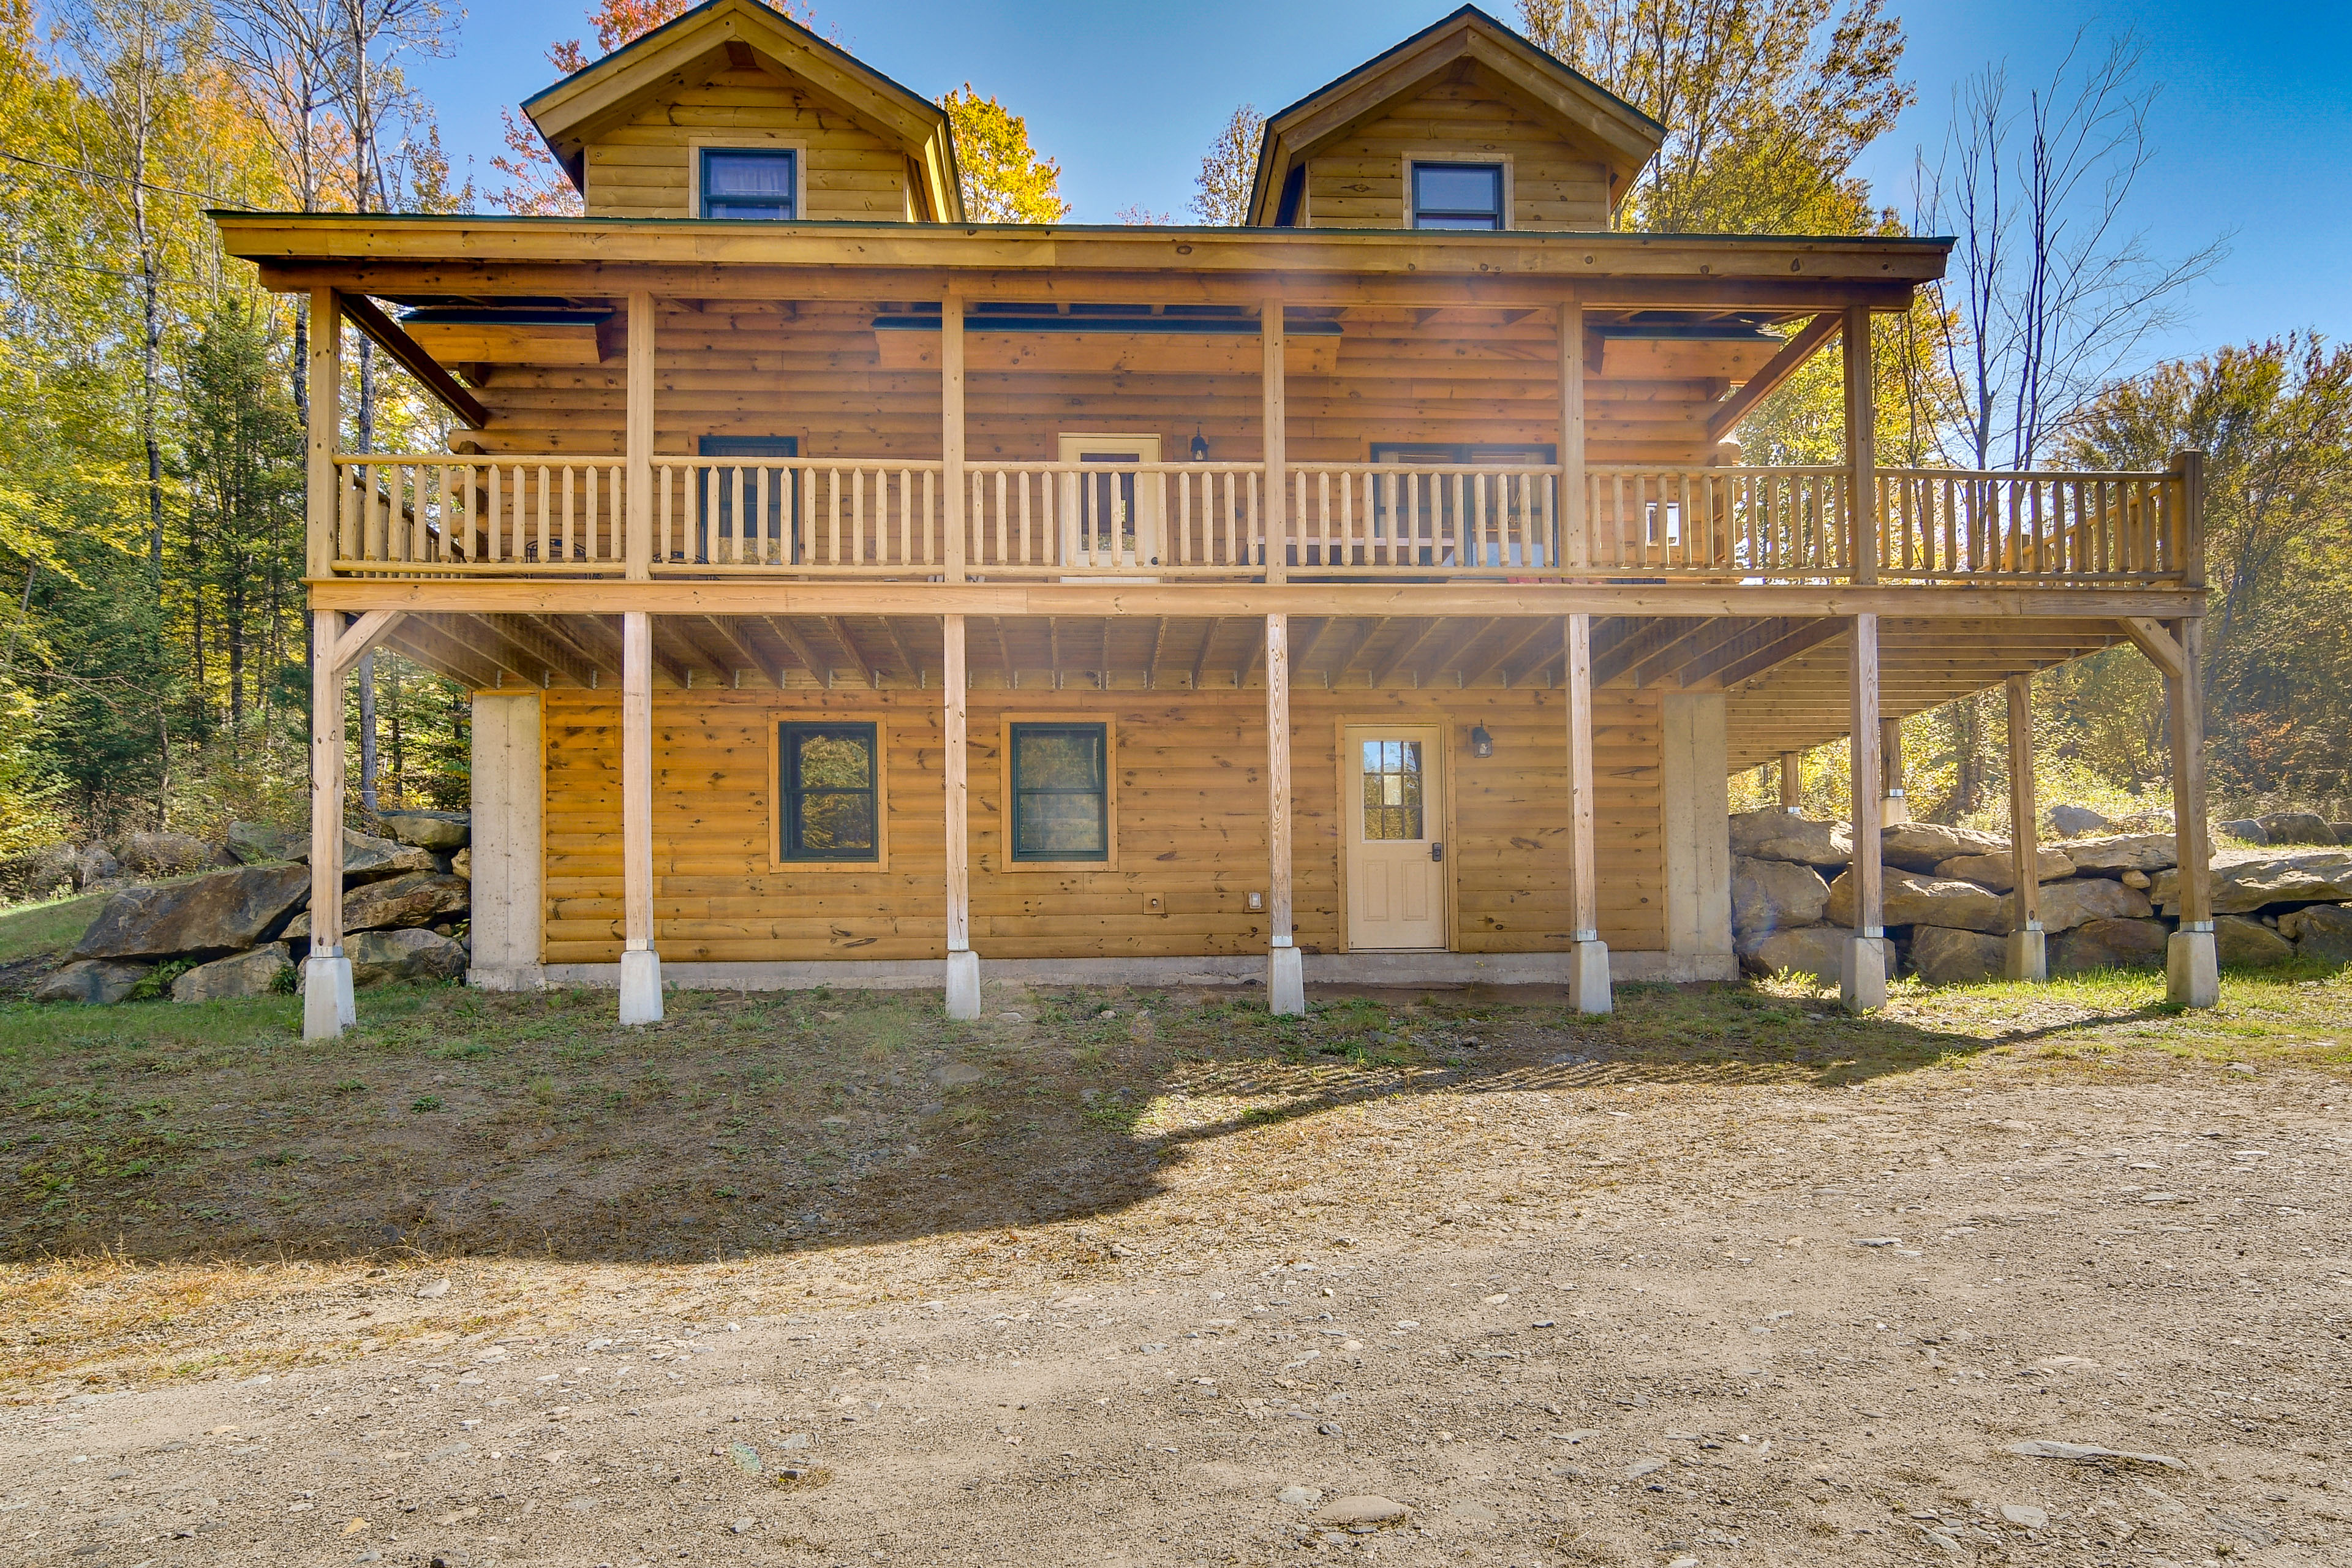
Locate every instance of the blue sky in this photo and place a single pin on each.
(2253, 129)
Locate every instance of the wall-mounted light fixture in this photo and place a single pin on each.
(1200, 446)
(1482, 744)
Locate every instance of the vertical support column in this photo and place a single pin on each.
(2192, 973)
(326, 372)
(1793, 783)
(641, 989)
(328, 1008)
(1865, 986)
(1575, 529)
(509, 774)
(952, 466)
(2029, 950)
(1588, 955)
(1697, 787)
(1861, 450)
(637, 548)
(1895, 805)
(1285, 979)
(963, 965)
(1277, 457)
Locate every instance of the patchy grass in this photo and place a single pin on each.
(46, 930)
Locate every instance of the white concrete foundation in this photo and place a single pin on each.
(2192, 973)
(2029, 955)
(964, 986)
(641, 988)
(328, 1005)
(1588, 978)
(1861, 981)
(509, 792)
(1286, 982)
(1697, 788)
(1894, 811)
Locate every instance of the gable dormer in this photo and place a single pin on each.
(1466, 125)
(733, 109)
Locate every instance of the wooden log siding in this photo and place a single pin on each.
(1192, 829)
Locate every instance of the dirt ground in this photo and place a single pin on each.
(1115, 1279)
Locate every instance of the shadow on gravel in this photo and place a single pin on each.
(456, 1122)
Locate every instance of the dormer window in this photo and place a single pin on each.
(754, 182)
(1457, 196)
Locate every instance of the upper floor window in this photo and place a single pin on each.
(750, 182)
(1457, 196)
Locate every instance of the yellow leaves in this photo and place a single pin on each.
(1004, 179)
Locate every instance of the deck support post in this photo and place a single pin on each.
(2192, 973)
(1285, 979)
(1275, 420)
(1793, 783)
(1588, 960)
(328, 1007)
(951, 451)
(1575, 528)
(1895, 806)
(324, 433)
(641, 986)
(1863, 979)
(963, 965)
(638, 546)
(2028, 948)
(1861, 452)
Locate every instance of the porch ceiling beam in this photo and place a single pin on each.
(1504, 650)
(411, 356)
(1741, 639)
(752, 659)
(1367, 630)
(899, 645)
(473, 634)
(801, 650)
(1303, 643)
(564, 633)
(485, 594)
(1801, 640)
(1638, 644)
(1208, 641)
(1404, 650)
(684, 657)
(839, 628)
(418, 639)
(1159, 647)
(1774, 372)
(1661, 661)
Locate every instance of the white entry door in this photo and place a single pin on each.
(1395, 838)
(1110, 519)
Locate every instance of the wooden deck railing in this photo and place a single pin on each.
(409, 514)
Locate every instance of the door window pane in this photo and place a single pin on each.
(1060, 793)
(1392, 790)
(828, 789)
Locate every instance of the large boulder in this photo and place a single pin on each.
(92, 981)
(379, 957)
(2109, 944)
(2322, 931)
(2065, 905)
(1941, 955)
(2068, 821)
(266, 843)
(2314, 877)
(1817, 950)
(2246, 831)
(367, 858)
(1924, 846)
(2296, 827)
(1774, 895)
(260, 973)
(442, 830)
(39, 872)
(2241, 943)
(461, 864)
(226, 912)
(412, 898)
(1999, 872)
(95, 866)
(2343, 831)
(1925, 900)
(1775, 835)
(2112, 856)
(170, 854)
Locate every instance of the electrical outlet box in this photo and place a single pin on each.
(1257, 900)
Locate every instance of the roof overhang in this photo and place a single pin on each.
(570, 113)
(1620, 134)
(582, 259)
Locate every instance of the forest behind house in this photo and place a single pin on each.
(153, 657)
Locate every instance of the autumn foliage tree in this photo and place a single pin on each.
(1005, 180)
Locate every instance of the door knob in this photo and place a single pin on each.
(1437, 851)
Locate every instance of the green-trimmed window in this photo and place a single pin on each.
(829, 791)
(1061, 793)
(750, 183)
(1457, 196)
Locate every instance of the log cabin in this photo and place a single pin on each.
(856, 594)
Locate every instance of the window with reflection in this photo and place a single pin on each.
(750, 182)
(830, 799)
(1457, 196)
(1392, 790)
(1060, 792)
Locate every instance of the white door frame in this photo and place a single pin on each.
(1436, 820)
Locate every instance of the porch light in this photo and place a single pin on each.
(1482, 744)
(1200, 446)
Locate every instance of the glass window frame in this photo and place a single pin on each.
(1010, 857)
(784, 853)
(1415, 212)
(707, 207)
